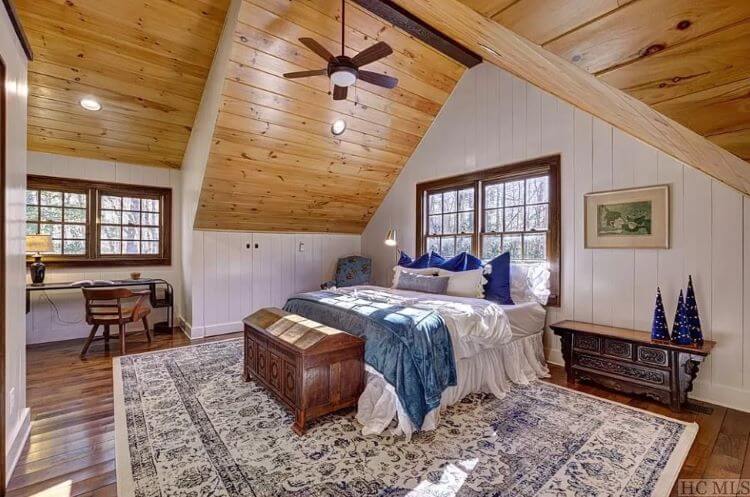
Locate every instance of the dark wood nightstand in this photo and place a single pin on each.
(629, 361)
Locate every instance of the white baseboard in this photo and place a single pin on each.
(194, 332)
(18, 439)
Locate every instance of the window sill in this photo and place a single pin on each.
(103, 262)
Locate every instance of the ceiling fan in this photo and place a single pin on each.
(344, 71)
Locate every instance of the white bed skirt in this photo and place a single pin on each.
(490, 371)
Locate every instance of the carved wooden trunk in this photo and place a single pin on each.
(311, 368)
(629, 361)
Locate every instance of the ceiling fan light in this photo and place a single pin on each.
(344, 76)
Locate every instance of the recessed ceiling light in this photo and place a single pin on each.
(90, 104)
(338, 127)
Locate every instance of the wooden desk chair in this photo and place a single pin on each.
(104, 307)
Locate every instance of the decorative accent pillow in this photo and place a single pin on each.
(497, 288)
(462, 262)
(465, 283)
(529, 282)
(404, 259)
(432, 259)
(422, 283)
(397, 270)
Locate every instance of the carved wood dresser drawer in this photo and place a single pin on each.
(629, 361)
(311, 368)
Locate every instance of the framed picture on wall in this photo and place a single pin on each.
(629, 218)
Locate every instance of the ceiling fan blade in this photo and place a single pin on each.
(305, 74)
(317, 48)
(371, 54)
(378, 79)
(339, 92)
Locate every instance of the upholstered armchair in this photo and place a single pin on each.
(350, 271)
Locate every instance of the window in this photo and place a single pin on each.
(100, 223)
(512, 208)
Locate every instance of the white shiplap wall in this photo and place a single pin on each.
(46, 324)
(235, 273)
(494, 118)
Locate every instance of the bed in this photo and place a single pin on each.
(490, 347)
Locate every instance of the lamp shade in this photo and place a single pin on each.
(390, 238)
(38, 243)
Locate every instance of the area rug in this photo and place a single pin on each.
(188, 425)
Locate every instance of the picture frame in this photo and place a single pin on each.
(627, 218)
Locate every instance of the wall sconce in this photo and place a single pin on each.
(390, 238)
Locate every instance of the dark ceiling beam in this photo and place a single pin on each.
(401, 18)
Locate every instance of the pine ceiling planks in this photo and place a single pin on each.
(274, 164)
(687, 59)
(145, 61)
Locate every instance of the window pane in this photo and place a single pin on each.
(111, 217)
(75, 200)
(131, 247)
(75, 215)
(149, 248)
(433, 244)
(463, 244)
(56, 247)
(51, 214)
(51, 198)
(514, 193)
(149, 219)
(449, 202)
(514, 219)
(536, 217)
(493, 196)
(512, 244)
(32, 197)
(150, 233)
(466, 222)
(150, 205)
(436, 203)
(131, 218)
(535, 246)
(447, 246)
(74, 247)
(491, 247)
(493, 221)
(131, 204)
(466, 199)
(449, 223)
(436, 225)
(129, 233)
(110, 202)
(32, 229)
(110, 247)
(110, 233)
(54, 230)
(32, 213)
(75, 231)
(537, 190)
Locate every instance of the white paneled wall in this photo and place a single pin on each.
(494, 118)
(236, 273)
(59, 315)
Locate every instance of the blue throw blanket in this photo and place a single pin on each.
(410, 347)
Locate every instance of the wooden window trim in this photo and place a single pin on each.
(549, 165)
(93, 190)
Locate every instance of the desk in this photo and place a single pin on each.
(151, 283)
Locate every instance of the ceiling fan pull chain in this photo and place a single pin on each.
(343, 24)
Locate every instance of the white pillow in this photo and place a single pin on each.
(529, 283)
(429, 271)
(465, 283)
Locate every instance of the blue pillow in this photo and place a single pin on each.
(404, 259)
(497, 288)
(432, 259)
(462, 262)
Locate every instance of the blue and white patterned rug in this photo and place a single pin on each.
(187, 425)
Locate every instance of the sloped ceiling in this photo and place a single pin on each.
(687, 59)
(146, 61)
(274, 164)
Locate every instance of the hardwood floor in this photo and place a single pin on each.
(71, 450)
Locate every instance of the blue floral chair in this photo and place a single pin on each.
(351, 271)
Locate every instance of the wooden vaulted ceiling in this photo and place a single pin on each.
(146, 61)
(687, 59)
(274, 164)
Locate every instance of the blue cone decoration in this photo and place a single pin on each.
(694, 320)
(681, 328)
(659, 327)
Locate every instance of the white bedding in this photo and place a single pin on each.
(494, 346)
